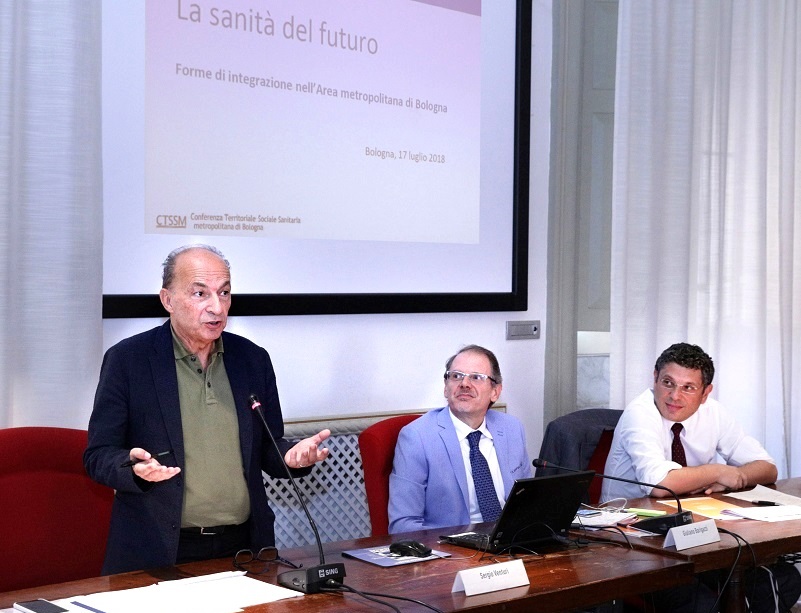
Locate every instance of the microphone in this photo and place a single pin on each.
(307, 580)
(658, 525)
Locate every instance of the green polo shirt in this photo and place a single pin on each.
(215, 490)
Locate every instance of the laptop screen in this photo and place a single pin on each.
(538, 509)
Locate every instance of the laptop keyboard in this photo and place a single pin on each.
(476, 540)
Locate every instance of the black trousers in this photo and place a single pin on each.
(193, 546)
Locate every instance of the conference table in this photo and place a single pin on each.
(767, 541)
(561, 578)
(600, 568)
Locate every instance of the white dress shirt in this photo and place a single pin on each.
(641, 447)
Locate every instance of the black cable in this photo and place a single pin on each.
(341, 587)
(622, 533)
(722, 588)
(420, 602)
(740, 542)
(451, 558)
(556, 537)
(753, 580)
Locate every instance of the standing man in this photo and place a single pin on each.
(456, 465)
(173, 402)
(672, 435)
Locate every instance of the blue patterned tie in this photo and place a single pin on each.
(482, 479)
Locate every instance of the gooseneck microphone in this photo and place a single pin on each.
(658, 525)
(307, 580)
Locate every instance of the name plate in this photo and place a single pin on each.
(491, 578)
(692, 535)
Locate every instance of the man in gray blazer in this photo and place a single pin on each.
(456, 465)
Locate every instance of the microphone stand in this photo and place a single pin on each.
(307, 580)
(658, 525)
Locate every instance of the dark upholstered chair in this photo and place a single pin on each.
(377, 448)
(580, 440)
(55, 518)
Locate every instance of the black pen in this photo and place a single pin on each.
(155, 455)
(765, 503)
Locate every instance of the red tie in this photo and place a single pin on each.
(677, 448)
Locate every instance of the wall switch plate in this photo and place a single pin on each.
(522, 330)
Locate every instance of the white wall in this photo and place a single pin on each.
(348, 364)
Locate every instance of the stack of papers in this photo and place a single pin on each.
(227, 592)
(787, 507)
(604, 519)
(779, 513)
(760, 492)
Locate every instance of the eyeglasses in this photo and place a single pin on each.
(244, 557)
(670, 385)
(475, 377)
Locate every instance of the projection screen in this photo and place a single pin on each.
(347, 156)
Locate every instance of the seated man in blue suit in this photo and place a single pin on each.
(456, 465)
(172, 430)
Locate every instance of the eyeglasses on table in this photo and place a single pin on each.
(245, 557)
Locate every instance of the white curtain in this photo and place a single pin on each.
(50, 211)
(706, 240)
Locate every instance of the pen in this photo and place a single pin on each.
(155, 455)
(765, 503)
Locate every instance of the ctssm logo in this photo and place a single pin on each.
(170, 221)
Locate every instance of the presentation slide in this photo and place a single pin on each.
(254, 116)
(325, 146)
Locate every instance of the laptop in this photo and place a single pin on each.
(539, 509)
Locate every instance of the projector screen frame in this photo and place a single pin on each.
(116, 306)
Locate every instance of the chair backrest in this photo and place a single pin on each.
(377, 448)
(55, 517)
(598, 462)
(580, 440)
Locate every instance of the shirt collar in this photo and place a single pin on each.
(181, 352)
(462, 429)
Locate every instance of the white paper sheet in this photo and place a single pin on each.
(225, 592)
(760, 492)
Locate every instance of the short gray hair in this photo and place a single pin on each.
(168, 274)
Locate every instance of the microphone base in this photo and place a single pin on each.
(661, 525)
(310, 580)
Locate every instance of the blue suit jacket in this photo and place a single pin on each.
(428, 484)
(136, 405)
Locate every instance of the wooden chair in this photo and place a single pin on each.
(377, 448)
(55, 518)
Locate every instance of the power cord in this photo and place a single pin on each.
(335, 587)
(740, 542)
(375, 596)
(622, 533)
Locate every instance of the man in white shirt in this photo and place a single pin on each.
(675, 436)
(642, 445)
